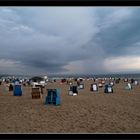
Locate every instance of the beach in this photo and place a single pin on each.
(88, 112)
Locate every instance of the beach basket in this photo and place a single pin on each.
(73, 90)
(17, 90)
(108, 89)
(40, 88)
(128, 86)
(36, 94)
(53, 97)
(93, 87)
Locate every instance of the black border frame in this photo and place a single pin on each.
(70, 136)
(70, 3)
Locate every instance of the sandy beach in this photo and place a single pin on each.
(88, 112)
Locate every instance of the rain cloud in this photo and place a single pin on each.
(65, 40)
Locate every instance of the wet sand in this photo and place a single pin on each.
(89, 112)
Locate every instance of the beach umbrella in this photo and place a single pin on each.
(37, 79)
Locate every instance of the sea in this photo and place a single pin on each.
(130, 75)
(135, 76)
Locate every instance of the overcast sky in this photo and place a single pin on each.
(65, 40)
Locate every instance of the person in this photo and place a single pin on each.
(78, 83)
(41, 89)
(0, 82)
(10, 87)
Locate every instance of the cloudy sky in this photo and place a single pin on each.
(67, 40)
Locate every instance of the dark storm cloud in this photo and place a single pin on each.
(116, 37)
(48, 61)
(67, 40)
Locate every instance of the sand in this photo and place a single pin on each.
(89, 112)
